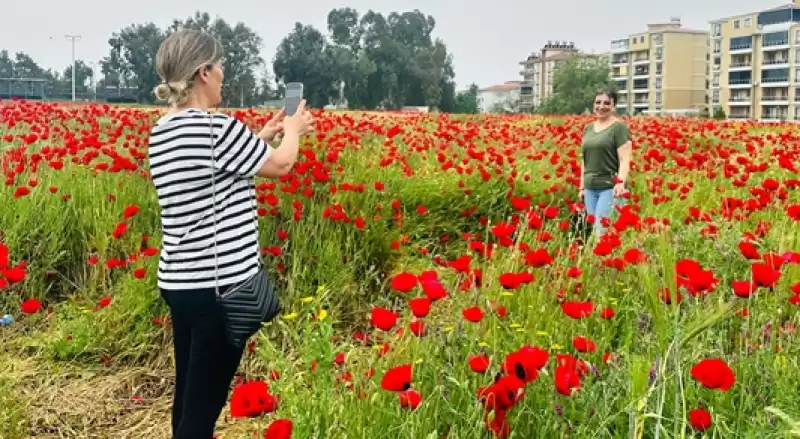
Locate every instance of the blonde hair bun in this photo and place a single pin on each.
(175, 93)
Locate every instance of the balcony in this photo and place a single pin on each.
(619, 60)
(771, 46)
(775, 63)
(739, 115)
(740, 100)
(641, 104)
(641, 60)
(779, 99)
(739, 49)
(641, 72)
(773, 82)
(740, 66)
(774, 117)
(619, 46)
(740, 83)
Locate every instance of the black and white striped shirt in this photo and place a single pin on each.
(180, 167)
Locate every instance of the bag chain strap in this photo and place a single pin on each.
(214, 206)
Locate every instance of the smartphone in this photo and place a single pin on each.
(292, 97)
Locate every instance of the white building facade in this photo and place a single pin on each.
(501, 98)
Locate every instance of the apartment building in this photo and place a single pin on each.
(662, 70)
(539, 68)
(755, 67)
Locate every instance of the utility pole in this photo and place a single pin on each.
(73, 39)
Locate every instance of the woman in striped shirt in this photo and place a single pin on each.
(208, 241)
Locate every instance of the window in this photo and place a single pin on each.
(658, 83)
(797, 38)
(739, 78)
(736, 24)
(775, 39)
(740, 43)
(717, 46)
(715, 96)
(717, 29)
(748, 22)
(715, 80)
(777, 75)
(779, 16)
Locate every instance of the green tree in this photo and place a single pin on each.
(84, 75)
(467, 101)
(575, 82)
(6, 64)
(304, 56)
(131, 60)
(374, 60)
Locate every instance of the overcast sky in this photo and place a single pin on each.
(486, 38)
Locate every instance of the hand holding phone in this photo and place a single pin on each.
(300, 122)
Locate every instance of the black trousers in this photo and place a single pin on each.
(205, 362)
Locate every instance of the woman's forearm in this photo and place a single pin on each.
(624, 168)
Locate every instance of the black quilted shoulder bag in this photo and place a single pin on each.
(249, 304)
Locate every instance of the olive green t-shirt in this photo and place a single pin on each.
(599, 151)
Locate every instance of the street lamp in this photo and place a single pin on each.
(73, 39)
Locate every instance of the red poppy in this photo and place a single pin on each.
(473, 314)
(479, 363)
(279, 429)
(577, 310)
(383, 319)
(397, 379)
(700, 419)
(404, 282)
(252, 399)
(420, 306)
(409, 399)
(31, 306)
(525, 363)
(714, 373)
(583, 344)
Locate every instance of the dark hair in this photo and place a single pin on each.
(608, 92)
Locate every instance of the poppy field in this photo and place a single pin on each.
(432, 282)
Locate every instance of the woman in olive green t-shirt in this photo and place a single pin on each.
(605, 161)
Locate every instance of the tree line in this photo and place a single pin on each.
(367, 61)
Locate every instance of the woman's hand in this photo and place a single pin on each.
(619, 190)
(301, 122)
(273, 127)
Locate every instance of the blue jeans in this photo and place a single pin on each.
(600, 204)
